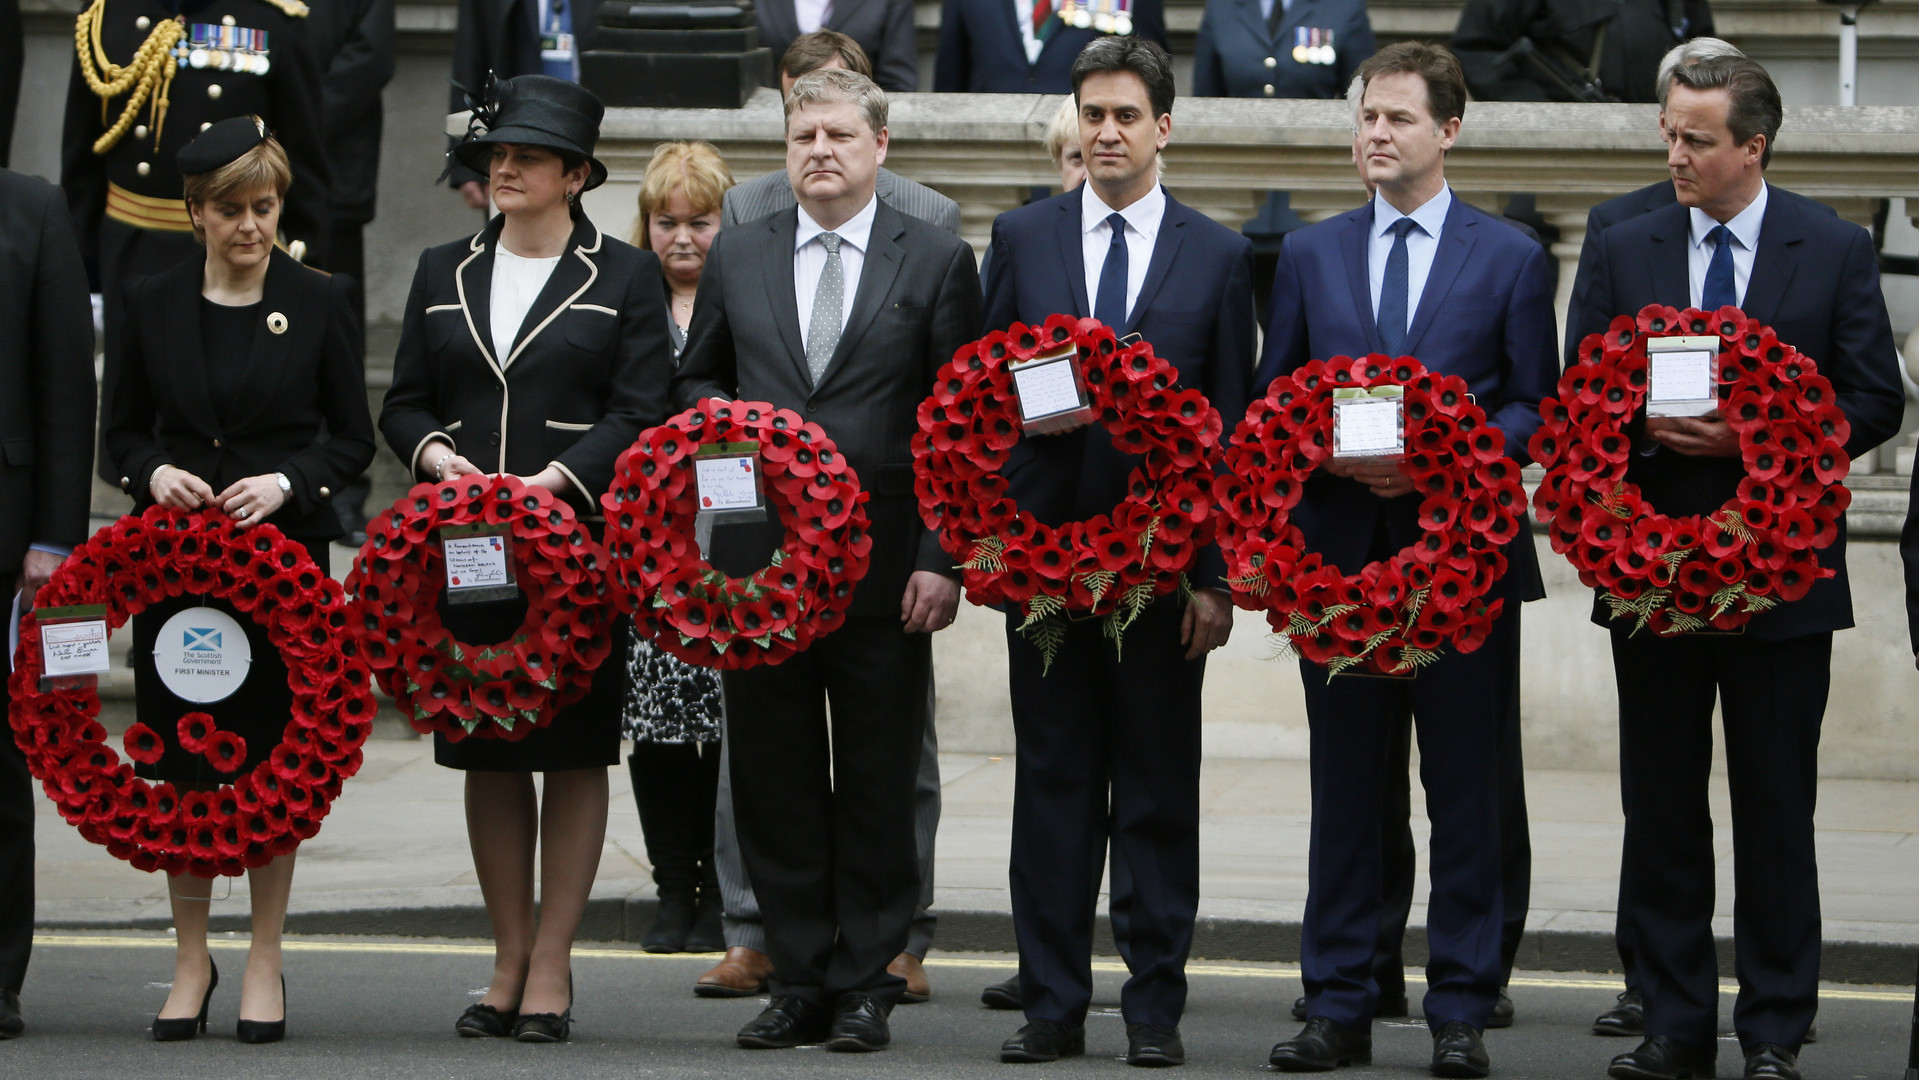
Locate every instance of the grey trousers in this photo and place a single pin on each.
(742, 910)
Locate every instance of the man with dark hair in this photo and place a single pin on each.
(1388, 278)
(1732, 240)
(1109, 742)
(981, 51)
(882, 31)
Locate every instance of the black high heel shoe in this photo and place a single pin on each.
(182, 1028)
(265, 1031)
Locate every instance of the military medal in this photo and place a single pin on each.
(224, 47)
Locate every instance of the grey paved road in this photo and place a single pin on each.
(367, 1008)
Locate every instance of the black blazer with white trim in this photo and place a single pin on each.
(590, 367)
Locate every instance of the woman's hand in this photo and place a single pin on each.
(252, 500)
(178, 489)
(441, 463)
(550, 478)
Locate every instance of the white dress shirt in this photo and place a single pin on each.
(811, 14)
(1023, 11)
(1266, 7)
(516, 284)
(809, 261)
(1422, 243)
(1745, 244)
(1142, 231)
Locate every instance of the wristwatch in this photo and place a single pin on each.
(286, 486)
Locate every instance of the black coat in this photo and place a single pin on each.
(589, 370)
(1638, 35)
(1815, 280)
(352, 42)
(46, 373)
(883, 28)
(301, 383)
(918, 301)
(497, 36)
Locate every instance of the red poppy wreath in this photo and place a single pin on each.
(1112, 565)
(677, 598)
(1396, 615)
(1717, 570)
(503, 690)
(140, 561)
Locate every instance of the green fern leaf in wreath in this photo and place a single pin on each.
(1757, 604)
(986, 556)
(1730, 521)
(1686, 624)
(1675, 558)
(1047, 633)
(1724, 599)
(1097, 583)
(1042, 607)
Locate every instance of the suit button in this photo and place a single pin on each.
(217, 444)
(810, 407)
(326, 493)
(213, 91)
(1269, 89)
(1272, 61)
(143, 168)
(493, 439)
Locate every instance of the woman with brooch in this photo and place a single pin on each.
(538, 348)
(240, 386)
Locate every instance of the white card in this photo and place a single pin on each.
(1046, 389)
(476, 562)
(728, 483)
(1368, 427)
(1681, 378)
(74, 648)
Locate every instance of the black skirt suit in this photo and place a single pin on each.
(590, 369)
(295, 403)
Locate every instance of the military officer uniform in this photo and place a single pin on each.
(1280, 48)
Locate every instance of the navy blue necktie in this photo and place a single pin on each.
(1719, 290)
(1392, 292)
(1109, 306)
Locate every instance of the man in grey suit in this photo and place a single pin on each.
(866, 304)
(743, 971)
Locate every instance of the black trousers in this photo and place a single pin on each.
(16, 858)
(1108, 752)
(823, 803)
(1772, 697)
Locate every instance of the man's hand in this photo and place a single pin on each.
(1695, 436)
(179, 489)
(37, 569)
(1207, 624)
(252, 499)
(475, 194)
(1384, 478)
(929, 603)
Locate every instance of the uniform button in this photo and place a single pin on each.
(143, 168)
(217, 444)
(326, 493)
(1272, 61)
(1269, 89)
(213, 91)
(226, 20)
(206, 125)
(142, 23)
(126, 483)
(139, 131)
(493, 439)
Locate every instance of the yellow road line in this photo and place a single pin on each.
(1608, 983)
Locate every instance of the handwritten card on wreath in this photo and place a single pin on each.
(1680, 375)
(479, 563)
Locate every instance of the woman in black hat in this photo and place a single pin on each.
(539, 348)
(230, 367)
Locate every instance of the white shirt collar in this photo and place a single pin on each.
(857, 230)
(1144, 215)
(1430, 216)
(1744, 225)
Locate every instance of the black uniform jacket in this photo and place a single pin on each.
(287, 97)
(310, 375)
(590, 367)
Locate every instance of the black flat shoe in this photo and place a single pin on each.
(1044, 1040)
(265, 1031)
(486, 1022)
(182, 1028)
(1459, 1052)
(1772, 1062)
(1323, 1046)
(12, 1024)
(1003, 995)
(544, 1027)
(1626, 1017)
(1386, 1008)
(786, 1022)
(1662, 1058)
(859, 1025)
(1151, 1045)
(1502, 1014)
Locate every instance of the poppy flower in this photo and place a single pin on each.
(225, 751)
(194, 728)
(143, 744)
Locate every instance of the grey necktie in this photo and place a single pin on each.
(823, 329)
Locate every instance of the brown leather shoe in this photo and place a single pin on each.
(742, 974)
(908, 967)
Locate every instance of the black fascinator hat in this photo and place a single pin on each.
(534, 110)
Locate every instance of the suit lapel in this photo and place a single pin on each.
(1772, 267)
(1359, 229)
(573, 275)
(1671, 281)
(1253, 23)
(1456, 239)
(1010, 13)
(266, 365)
(882, 266)
(189, 356)
(473, 279)
(1172, 230)
(1071, 254)
(1295, 16)
(776, 268)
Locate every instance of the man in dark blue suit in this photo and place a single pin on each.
(1280, 48)
(1415, 272)
(1023, 46)
(1109, 747)
(1732, 240)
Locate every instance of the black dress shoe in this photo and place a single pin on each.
(1150, 1045)
(265, 1031)
(1044, 1040)
(1502, 1014)
(1663, 1058)
(182, 1028)
(544, 1027)
(786, 1022)
(1626, 1017)
(1323, 1045)
(1458, 1051)
(1003, 995)
(12, 1026)
(1386, 1008)
(486, 1022)
(1772, 1063)
(859, 1025)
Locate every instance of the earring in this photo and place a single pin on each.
(571, 197)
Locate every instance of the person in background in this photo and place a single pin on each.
(673, 709)
(981, 51)
(882, 28)
(13, 62)
(1572, 50)
(507, 38)
(233, 365)
(1280, 48)
(47, 405)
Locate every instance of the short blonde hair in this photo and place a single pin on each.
(264, 166)
(1063, 128)
(839, 84)
(694, 167)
